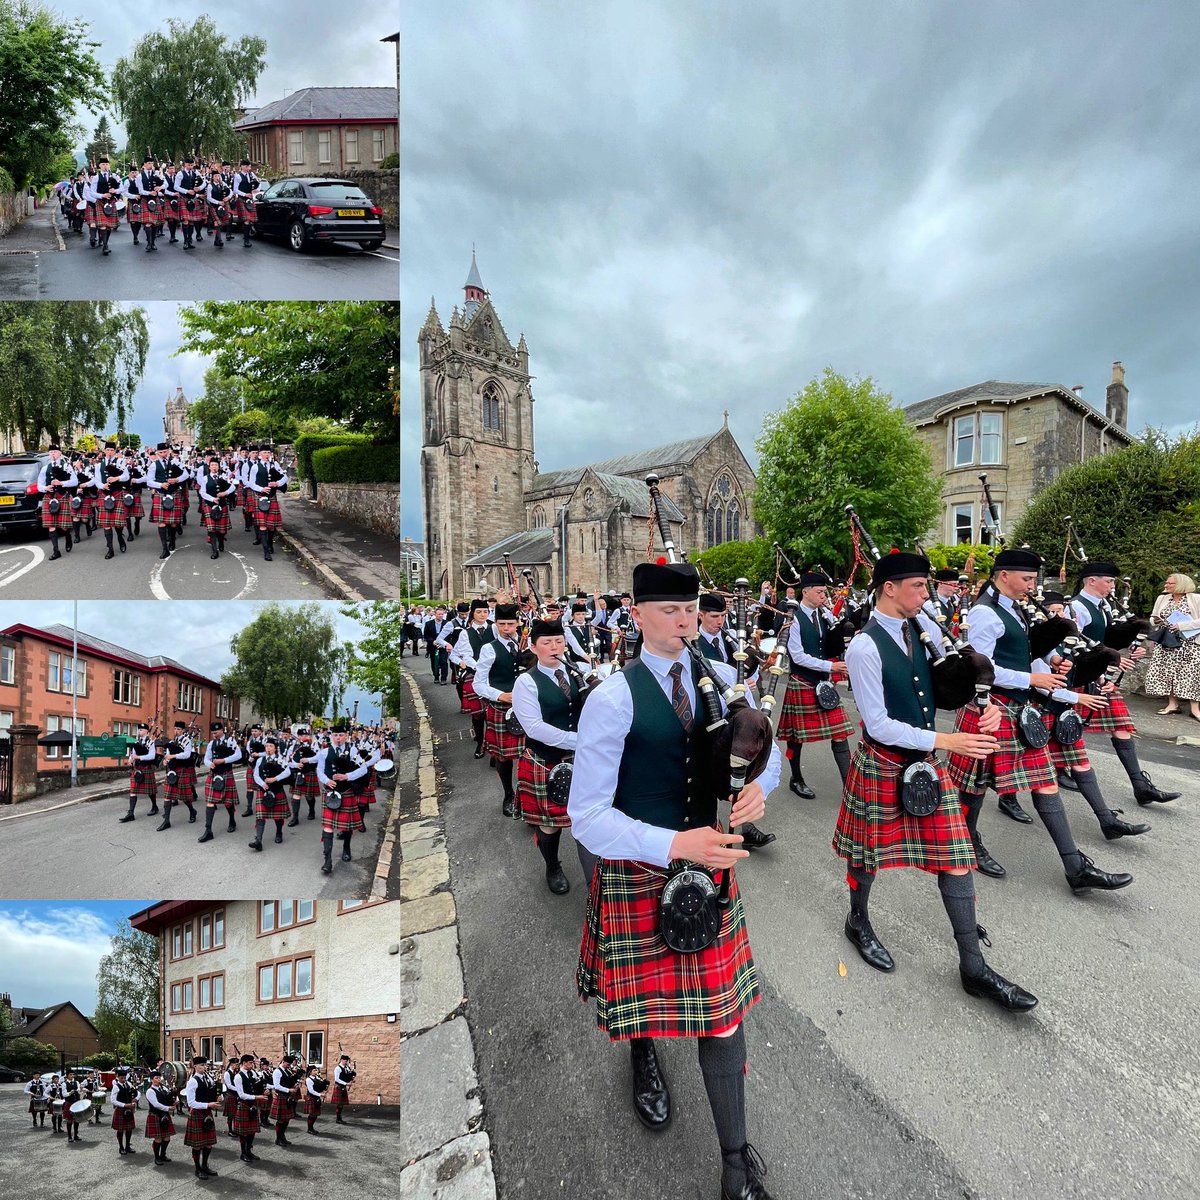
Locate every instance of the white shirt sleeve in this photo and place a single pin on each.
(1063, 694)
(866, 678)
(795, 646)
(986, 630)
(528, 708)
(238, 1081)
(153, 1101)
(481, 682)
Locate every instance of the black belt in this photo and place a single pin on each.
(1012, 697)
(907, 754)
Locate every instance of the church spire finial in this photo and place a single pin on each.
(474, 289)
(726, 423)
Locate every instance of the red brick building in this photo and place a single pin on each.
(62, 1026)
(117, 688)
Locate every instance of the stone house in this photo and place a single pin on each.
(1022, 435)
(62, 1026)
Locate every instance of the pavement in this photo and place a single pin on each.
(859, 1084)
(339, 1162)
(42, 260)
(71, 844)
(352, 561)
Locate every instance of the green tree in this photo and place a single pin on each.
(1138, 507)
(102, 143)
(46, 69)
(285, 661)
(178, 90)
(128, 995)
(753, 560)
(104, 1061)
(222, 400)
(68, 361)
(248, 426)
(327, 358)
(841, 441)
(376, 663)
(28, 1054)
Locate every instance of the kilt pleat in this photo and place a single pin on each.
(533, 794)
(160, 516)
(282, 1108)
(198, 213)
(498, 741)
(138, 509)
(344, 819)
(1015, 767)
(111, 519)
(471, 703)
(148, 786)
(312, 1105)
(245, 1121)
(218, 216)
(247, 210)
(228, 793)
(1116, 718)
(265, 811)
(185, 785)
(124, 1119)
(874, 832)
(1065, 757)
(229, 1107)
(272, 518)
(105, 220)
(214, 517)
(643, 988)
(340, 1094)
(306, 784)
(802, 719)
(195, 1134)
(159, 1126)
(57, 520)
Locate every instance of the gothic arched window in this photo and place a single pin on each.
(491, 406)
(733, 521)
(724, 511)
(539, 517)
(716, 511)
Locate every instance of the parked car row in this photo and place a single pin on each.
(309, 210)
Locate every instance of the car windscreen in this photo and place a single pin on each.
(18, 472)
(337, 191)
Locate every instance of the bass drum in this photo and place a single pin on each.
(175, 1075)
(80, 1107)
(385, 766)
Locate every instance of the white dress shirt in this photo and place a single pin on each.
(987, 628)
(154, 1102)
(1082, 615)
(189, 1094)
(461, 654)
(603, 726)
(487, 659)
(795, 646)
(230, 759)
(528, 708)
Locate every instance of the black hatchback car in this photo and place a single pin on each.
(319, 210)
(20, 504)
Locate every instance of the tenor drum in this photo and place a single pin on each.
(385, 766)
(40, 1103)
(58, 1105)
(80, 1107)
(80, 205)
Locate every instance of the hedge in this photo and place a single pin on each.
(357, 464)
(6, 182)
(307, 443)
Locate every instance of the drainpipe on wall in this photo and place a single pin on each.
(562, 558)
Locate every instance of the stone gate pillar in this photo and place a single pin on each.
(24, 761)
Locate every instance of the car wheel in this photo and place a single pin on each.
(372, 245)
(297, 238)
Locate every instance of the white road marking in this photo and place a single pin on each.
(385, 257)
(251, 576)
(9, 575)
(158, 589)
(156, 584)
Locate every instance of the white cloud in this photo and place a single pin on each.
(52, 956)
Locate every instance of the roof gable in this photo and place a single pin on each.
(672, 454)
(327, 104)
(529, 547)
(484, 327)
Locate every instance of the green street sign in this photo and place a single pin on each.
(104, 745)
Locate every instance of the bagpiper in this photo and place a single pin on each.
(54, 481)
(303, 756)
(111, 511)
(220, 787)
(124, 1119)
(142, 755)
(341, 776)
(271, 775)
(159, 1126)
(494, 678)
(245, 186)
(189, 186)
(267, 481)
(102, 193)
(202, 1096)
(179, 758)
(466, 656)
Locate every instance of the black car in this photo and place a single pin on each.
(319, 210)
(20, 503)
(8, 1075)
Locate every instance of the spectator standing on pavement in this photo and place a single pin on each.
(1174, 670)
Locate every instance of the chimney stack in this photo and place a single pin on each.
(1116, 399)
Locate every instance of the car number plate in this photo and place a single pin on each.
(8, 499)
(351, 212)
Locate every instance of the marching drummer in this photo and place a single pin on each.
(35, 1089)
(70, 1099)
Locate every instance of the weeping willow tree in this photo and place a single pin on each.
(68, 362)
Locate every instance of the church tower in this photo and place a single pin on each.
(176, 427)
(477, 434)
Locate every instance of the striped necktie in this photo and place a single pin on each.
(564, 686)
(679, 698)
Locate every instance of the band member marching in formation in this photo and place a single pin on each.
(245, 185)
(271, 775)
(341, 776)
(190, 188)
(102, 193)
(643, 774)
(999, 631)
(283, 1103)
(143, 754)
(220, 787)
(343, 1079)
(124, 1119)
(215, 489)
(160, 1103)
(881, 824)
(179, 758)
(255, 749)
(35, 1089)
(54, 1093)
(231, 1096)
(303, 756)
(314, 1088)
(803, 718)
(71, 1096)
(220, 197)
(166, 511)
(200, 1133)
(266, 480)
(56, 482)
(111, 512)
(465, 656)
(148, 184)
(495, 674)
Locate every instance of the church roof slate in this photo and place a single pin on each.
(636, 495)
(525, 548)
(642, 460)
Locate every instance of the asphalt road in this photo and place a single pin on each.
(860, 1085)
(83, 851)
(269, 270)
(26, 572)
(339, 1162)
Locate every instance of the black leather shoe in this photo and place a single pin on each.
(479, 751)
(1010, 806)
(55, 555)
(556, 881)
(1120, 829)
(755, 1170)
(987, 864)
(507, 808)
(872, 951)
(651, 1099)
(207, 836)
(1067, 782)
(1146, 793)
(1090, 876)
(994, 987)
(255, 845)
(802, 789)
(753, 838)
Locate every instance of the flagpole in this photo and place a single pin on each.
(74, 690)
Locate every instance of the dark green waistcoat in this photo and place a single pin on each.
(479, 637)
(1097, 623)
(503, 674)
(555, 711)
(810, 639)
(1012, 648)
(907, 683)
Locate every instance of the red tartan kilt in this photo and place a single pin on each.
(133, 214)
(345, 819)
(306, 785)
(124, 1118)
(271, 812)
(107, 222)
(159, 1126)
(148, 786)
(245, 1120)
(228, 794)
(873, 830)
(1115, 718)
(471, 703)
(272, 518)
(154, 218)
(194, 1133)
(1015, 767)
(160, 516)
(218, 216)
(84, 511)
(1065, 757)
(312, 1105)
(247, 210)
(252, 788)
(532, 794)
(214, 517)
(282, 1108)
(249, 498)
(59, 520)
(802, 719)
(197, 217)
(230, 1105)
(184, 785)
(89, 213)
(340, 1094)
(138, 509)
(111, 520)
(497, 740)
(645, 989)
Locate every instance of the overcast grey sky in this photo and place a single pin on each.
(310, 43)
(693, 206)
(163, 372)
(197, 634)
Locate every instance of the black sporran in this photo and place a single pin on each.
(558, 782)
(920, 789)
(1068, 727)
(828, 697)
(513, 725)
(1031, 728)
(689, 915)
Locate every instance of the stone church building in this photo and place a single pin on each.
(574, 528)
(177, 428)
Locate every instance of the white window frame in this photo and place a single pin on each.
(377, 143)
(956, 510)
(8, 664)
(324, 145)
(55, 723)
(319, 1036)
(958, 438)
(295, 139)
(352, 145)
(985, 460)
